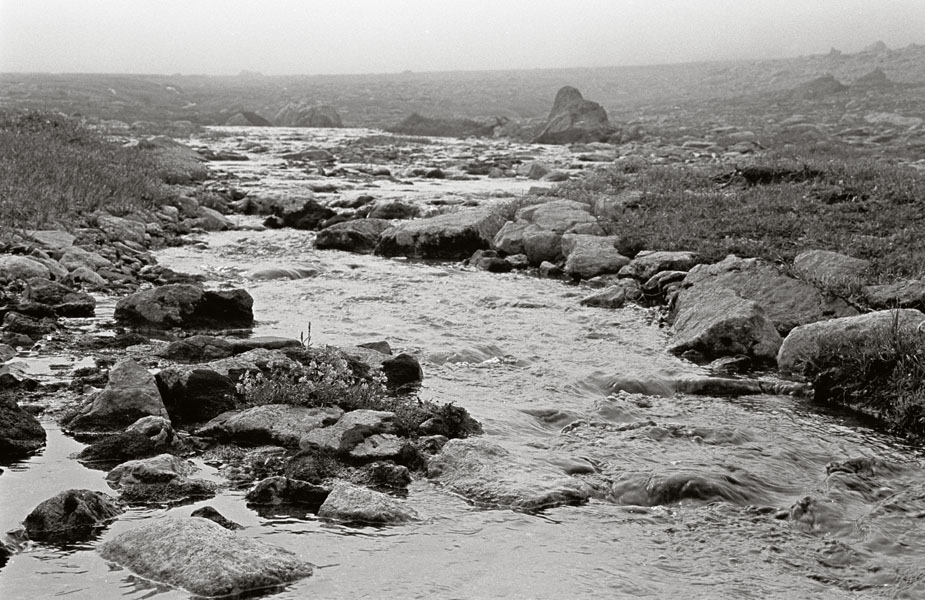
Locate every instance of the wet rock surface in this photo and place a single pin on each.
(20, 432)
(202, 557)
(357, 504)
(71, 516)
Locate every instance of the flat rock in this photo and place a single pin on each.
(265, 343)
(830, 269)
(488, 475)
(450, 236)
(902, 294)
(351, 430)
(715, 321)
(71, 516)
(806, 344)
(788, 302)
(556, 215)
(202, 557)
(282, 424)
(197, 348)
(356, 504)
(130, 394)
(186, 305)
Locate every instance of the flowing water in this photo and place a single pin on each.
(552, 382)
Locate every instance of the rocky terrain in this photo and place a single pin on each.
(490, 359)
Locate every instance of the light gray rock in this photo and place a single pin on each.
(715, 321)
(355, 504)
(202, 557)
(351, 430)
(76, 257)
(510, 238)
(282, 424)
(19, 268)
(122, 229)
(830, 269)
(649, 263)
(807, 343)
(556, 215)
(615, 296)
(542, 246)
(53, 239)
(488, 475)
(588, 256)
(902, 294)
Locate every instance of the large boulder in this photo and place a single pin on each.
(198, 393)
(356, 504)
(20, 432)
(188, 306)
(808, 344)
(14, 268)
(71, 516)
(788, 302)
(588, 256)
(451, 236)
(302, 115)
(574, 119)
(488, 475)
(714, 321)
(282, 424)
(130, 394)
(202, 557)
(358, 235)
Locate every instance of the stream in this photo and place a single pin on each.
(551, 381)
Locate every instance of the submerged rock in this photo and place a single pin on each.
(488, 475)
(654, 489)
(356, 504)
(71, 516)
(186, 305)
(202, 557)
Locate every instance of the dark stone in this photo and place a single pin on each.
(310, 215)
(112, 450)
(197, 348)
(393, 210)
(195, 395)
(574, 119)
(358, 235)
(402, 370)
(382, 347)
(386, 475)
(20, 433)
(186, 305)
(70, 516)
(314, 466)
(207, 512)
(14, 322)
(282, 490)
(416, 124)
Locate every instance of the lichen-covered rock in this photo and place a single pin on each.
(282, 424)
(20, 268)
(130, 395)
(715, 321)
(186, 305)
(355, 504)
(488, 475)
(70, 516)
(202, 557)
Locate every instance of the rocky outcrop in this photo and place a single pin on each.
(130, 394)
(187, 306)
(574, 119)
(302, 115)
(71, 516)
(354, 504)
(202, 557)
(416, 124)
(358, 235)
(282, 424)
(488, 475)
(247, 118)
(20, 432)
(451, 236)
(714, 321)
(812, 343)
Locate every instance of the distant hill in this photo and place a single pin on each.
(382, 100)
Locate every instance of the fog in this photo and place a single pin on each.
(374, 36)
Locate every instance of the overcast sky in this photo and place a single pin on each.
(373, 36)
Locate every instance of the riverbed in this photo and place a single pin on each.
(554, 383)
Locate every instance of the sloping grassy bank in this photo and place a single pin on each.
(54, 171)
(839, 200)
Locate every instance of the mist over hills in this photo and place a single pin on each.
(380, 100)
